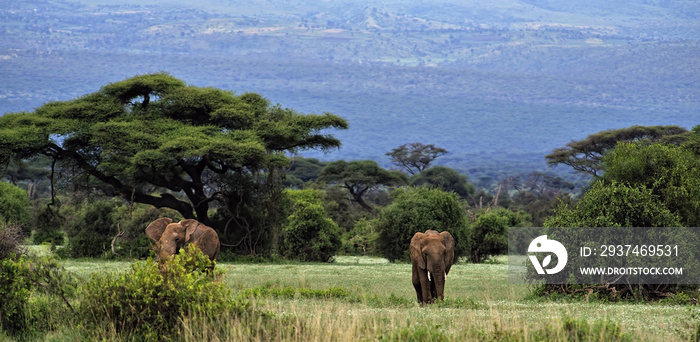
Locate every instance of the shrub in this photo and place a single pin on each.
(14, 206)
(15, 288)
(309, 235)
(417, 210)
(625, 208)
(362, 239)
(10, 240)
(150, 300)
(669, 172)
(90, 229)
(35, 293)
(488, 235)
(47, 224)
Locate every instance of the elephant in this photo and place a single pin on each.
(170, 237)
(432, 255)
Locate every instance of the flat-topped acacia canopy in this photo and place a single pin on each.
(152, 135)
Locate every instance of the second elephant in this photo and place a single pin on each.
(432, 254)
(170, 237)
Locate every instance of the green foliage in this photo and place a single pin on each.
(90, 228)
(14, 206)
(586, 155)
(414, 158)
(446, 179)
(417, 210)
(654, 185)
(131, 219)
(614, 204)
(309, 235)
(35, 294)
(693, 141)
(47, 224)
(671, 173)
(15, 287)
(303, 170)
(488, 235)
(644, 185)
(52, 237)
(347, 213)
(151, 138)
(362, 239)
(539, 207)
(359, 176)
(149, 301)
(92, 225)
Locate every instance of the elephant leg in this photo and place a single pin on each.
(417, 287)
(425, 287)
(419, 292)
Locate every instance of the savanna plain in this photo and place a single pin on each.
(368, 299)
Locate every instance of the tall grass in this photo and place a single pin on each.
(370, 299)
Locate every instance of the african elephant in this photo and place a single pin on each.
(432, 254)
(170, 237)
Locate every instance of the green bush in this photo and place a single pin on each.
(90, 228)
(52, 237)
(488, 235)
(47, 224)
(417, 210)
(14, 206)
(362, 239)
(15, 287)
(309, 235)
(669, 172)
(35, 294)
(150, 300)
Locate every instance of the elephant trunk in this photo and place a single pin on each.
(437, 277)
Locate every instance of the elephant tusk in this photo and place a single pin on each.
(429, 276)
(445, 275)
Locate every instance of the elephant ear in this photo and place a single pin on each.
(156, 228)
(191, 226)
(415, 250)
(449, 250)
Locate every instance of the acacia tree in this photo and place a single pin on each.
(153, 139)
(360, 176)
(586, 155)
(446, 179)
(415, 157)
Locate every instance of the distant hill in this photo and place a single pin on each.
(497, 83)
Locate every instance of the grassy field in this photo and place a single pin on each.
(371, 299)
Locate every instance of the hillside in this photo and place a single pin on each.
(497, 83)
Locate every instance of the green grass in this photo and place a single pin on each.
(362, 298)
